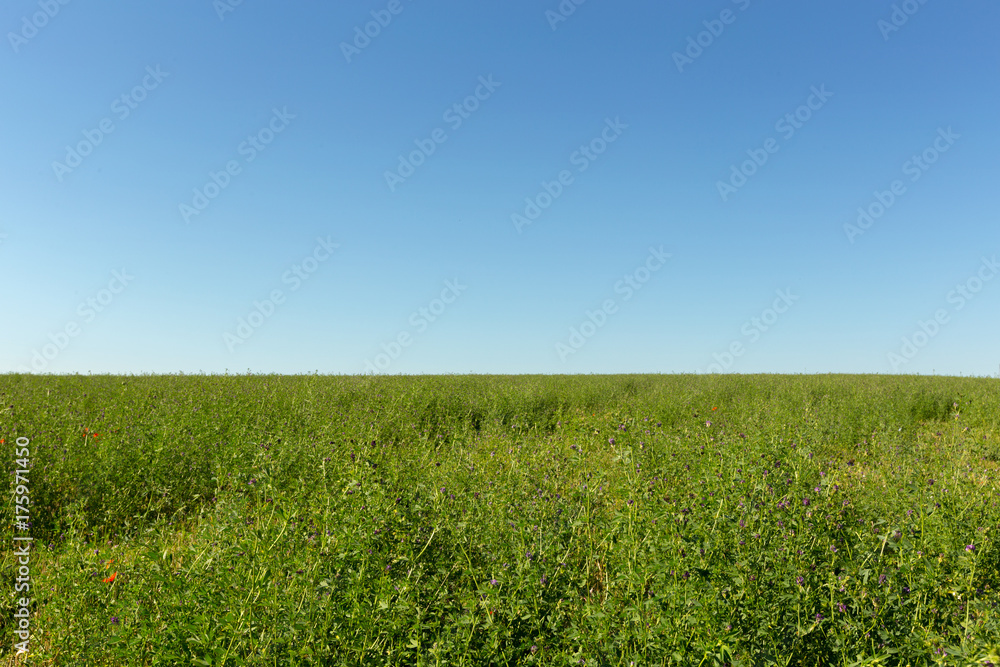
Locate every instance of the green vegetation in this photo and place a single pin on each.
(535, 520)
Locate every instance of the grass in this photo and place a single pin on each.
(536, 520)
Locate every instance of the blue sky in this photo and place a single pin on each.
(499, 187)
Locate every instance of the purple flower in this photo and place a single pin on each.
(819, 617)
(493, 582)
(970, 547)
(841, 607)
(114, 619)
(799, 580)
(805, 502)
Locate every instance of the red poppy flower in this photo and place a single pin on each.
(110, 579)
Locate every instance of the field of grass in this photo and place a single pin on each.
(478, 520)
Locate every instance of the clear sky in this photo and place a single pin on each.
(407, 186)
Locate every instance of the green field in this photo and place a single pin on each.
(477, 520)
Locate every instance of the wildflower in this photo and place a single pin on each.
(110, 579)
(819, 617)
(841, 607)
(799, 580)
(970, 547)
(114, 620)
(493, 582)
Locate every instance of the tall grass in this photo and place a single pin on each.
(475, 520)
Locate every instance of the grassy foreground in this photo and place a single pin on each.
(477, 520)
